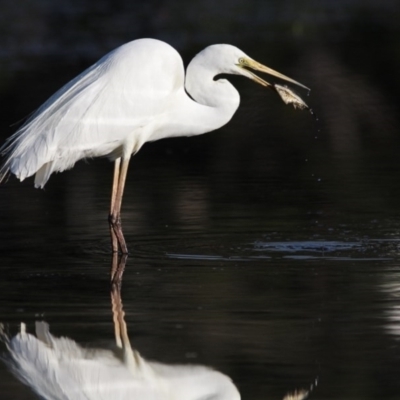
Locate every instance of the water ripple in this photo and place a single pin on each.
(354, 250)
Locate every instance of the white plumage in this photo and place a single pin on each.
(99, 113)
(134, 94)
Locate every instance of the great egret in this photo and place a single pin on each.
(60, 369)
(135, 94)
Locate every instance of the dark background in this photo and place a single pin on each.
(268, 249)
(346, 51)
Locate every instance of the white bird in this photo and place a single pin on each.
(135, 94)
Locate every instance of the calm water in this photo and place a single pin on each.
(268, 250)
(268, 286)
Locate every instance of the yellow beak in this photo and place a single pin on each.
(248, 64)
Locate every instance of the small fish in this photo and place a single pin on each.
(289, 97)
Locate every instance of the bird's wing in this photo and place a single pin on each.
(98, 112)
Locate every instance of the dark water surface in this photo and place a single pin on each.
(268, 250)
(272, 286)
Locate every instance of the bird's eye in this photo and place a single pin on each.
(242, 61)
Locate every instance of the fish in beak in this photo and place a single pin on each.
(287, 95)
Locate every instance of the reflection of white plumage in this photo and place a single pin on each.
(58, 368)
(134, 94)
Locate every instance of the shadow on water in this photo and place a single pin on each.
(250, 275)
(58, 367)
(272, 322)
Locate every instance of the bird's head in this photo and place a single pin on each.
(228, 59)
(219, 59)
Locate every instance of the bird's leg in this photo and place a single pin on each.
(115, 217)
(117, 270)
(114, 239)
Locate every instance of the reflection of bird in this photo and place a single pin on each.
(134, 94)
(59, 368)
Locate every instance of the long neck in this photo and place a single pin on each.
(215, 100)
(213, 105)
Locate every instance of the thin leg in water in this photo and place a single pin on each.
(114, 239)
(115, 217)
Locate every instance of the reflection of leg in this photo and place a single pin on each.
(117, 270)
(132, 357)
(115, 216)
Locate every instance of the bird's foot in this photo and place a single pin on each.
(117, 237)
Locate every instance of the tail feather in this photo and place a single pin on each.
(31, 150)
